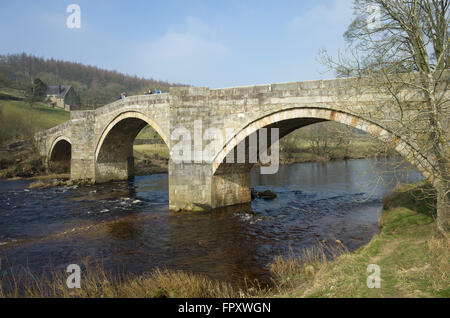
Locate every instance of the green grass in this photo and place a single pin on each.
(412, 256)
(12, 92)
(155, 151)
(19, 121)
(148, 133)
(300, 150)
(40, 116)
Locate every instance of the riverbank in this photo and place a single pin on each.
(25, 163)
(412, 257)
(300, 152)
(360, 149)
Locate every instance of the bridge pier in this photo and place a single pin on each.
(82, 165)
(115, 171)
(196, 183)
(231, 185)
(190, 183)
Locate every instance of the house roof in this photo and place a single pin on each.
(59, 90)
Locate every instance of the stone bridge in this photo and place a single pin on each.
(99, 143)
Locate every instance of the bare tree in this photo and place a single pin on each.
(319, 141)
(400, 46)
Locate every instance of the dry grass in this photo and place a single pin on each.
(295, 270)
(98, 283)
(43, 184)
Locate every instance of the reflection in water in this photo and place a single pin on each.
(127, 225)
(123, 230)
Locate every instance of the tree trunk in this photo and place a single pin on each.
(443, 208)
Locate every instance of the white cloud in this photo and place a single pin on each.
(180, 48)
(325, 24)
(322, 27)
(187, 56)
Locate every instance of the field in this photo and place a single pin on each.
(154, 151)
(20, 121)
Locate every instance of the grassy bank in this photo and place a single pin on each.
(412, 256)
(20, 121)
(151, 159)
(302, 152)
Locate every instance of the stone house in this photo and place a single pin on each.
(62, 96)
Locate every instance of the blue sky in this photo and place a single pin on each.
(198, 42)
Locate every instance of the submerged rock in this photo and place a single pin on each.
(46, 184)
(266, 195)
(193, 207)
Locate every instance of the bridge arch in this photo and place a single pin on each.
(295, 118)
(114, 149)
(129, 115)
(60, 154)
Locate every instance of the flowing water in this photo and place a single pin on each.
(128, 227)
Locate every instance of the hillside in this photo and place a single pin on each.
(96, 87)
(19, 121)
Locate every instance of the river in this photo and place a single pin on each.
(127, 225)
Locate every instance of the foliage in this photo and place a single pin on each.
(96, 87)
(39, 90)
